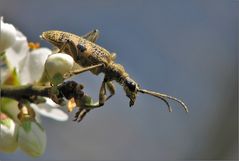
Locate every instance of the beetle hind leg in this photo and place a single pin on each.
(81, 114)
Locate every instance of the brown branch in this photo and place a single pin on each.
(31, 92)
(24, 92)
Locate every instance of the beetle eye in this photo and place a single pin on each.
(131, 86)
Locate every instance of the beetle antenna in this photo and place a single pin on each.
(164, 97)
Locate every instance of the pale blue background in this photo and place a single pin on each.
(183, 48)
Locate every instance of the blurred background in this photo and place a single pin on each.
(186, 49)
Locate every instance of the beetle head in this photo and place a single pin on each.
(131, 89)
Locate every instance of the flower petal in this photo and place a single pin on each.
(8, 134)
(32, 138)
(8, 35)
(34, 65)
(51, 110)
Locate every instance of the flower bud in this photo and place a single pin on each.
(8, 134)
(58, 64)
(32, 138)
(8, 35)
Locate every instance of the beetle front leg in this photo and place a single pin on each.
(78, 71)
(69, 45)
(102, 94)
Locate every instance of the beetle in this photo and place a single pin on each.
(97, 59)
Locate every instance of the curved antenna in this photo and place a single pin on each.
(164, 97)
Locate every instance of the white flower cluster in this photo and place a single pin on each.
(19, 66)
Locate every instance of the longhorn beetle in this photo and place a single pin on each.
(97, 59)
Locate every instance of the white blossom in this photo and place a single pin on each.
(51, 110)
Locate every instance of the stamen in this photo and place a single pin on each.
(33, 45)
(71, 104)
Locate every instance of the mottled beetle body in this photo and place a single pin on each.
(97, 59)
(85, 52)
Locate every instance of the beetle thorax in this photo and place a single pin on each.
(116, 72)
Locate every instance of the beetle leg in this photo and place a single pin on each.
(70, 48)
(62, 47)
(81, 114)
(102, 94)
(73, 49)
(92, 35)
(75, 72)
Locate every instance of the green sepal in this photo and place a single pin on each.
(9, 107)
(12, 79)
(26, 125)
(6, 122)
(86, 100)
(57, 79)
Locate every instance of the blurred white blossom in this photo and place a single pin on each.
(32, 68)
(8, 35)
(21, 66)
(32, 138)
(29, 66)
(50, 109)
